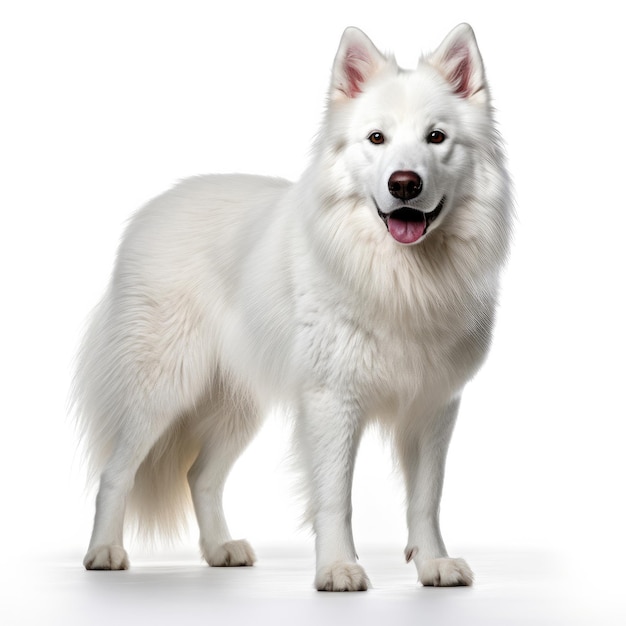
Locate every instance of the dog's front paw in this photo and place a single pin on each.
(342, 577)
(237, 553)
(445, 572)
(106, 558)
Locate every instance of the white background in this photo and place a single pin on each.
(105, 104)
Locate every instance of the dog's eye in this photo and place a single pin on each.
(377, 137)
(436, 136)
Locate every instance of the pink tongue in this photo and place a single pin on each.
(405, 232)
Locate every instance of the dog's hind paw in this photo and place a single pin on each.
(342, 577)
(446, 572)
(237, 553)
(106, 558)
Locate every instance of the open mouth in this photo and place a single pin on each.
(407, 225)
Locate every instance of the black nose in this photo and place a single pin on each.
(405, 185)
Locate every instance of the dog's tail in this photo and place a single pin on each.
(159, 504)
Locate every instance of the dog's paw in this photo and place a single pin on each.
(106, 558)
(237, 553)
(446, 572)
(342, 577)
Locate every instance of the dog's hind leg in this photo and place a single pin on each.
(225, 433)
(143, 367)
(422, 449)
(106, 551)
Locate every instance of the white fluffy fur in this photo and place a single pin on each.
(235, 293)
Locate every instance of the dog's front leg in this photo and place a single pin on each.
(329, 434)
(422, 449)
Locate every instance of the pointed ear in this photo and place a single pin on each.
(356, 62)
(459, 60)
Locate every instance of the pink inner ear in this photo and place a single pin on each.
(460, 70)
(356, 58)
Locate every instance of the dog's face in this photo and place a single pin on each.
(407, 136)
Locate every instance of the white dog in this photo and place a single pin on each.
(365, 291)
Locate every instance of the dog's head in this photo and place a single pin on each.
(405, 142)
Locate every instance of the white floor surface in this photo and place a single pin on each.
(512, 588)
